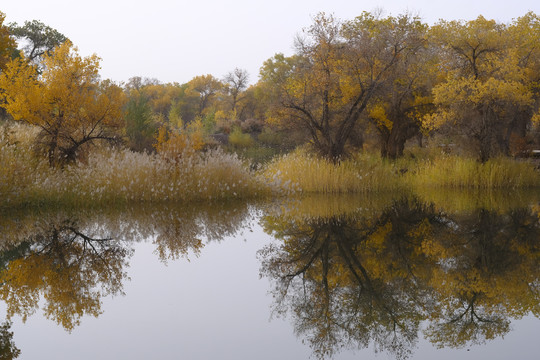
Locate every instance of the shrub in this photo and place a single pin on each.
(239, 140)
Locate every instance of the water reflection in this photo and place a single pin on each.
(66, 262)
(380, 271)
(8, 349)
(67, 267)
(394, 273)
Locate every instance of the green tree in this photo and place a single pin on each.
(36, 39)
(140, 128)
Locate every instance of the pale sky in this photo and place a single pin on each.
(173, 41)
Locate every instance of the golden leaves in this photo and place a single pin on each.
(7, 43)
(67, 101)
(377, 112)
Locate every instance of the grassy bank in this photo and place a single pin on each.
(458, 172)
(119, 176)
(311, 174)
(368, 172)
(109, 176)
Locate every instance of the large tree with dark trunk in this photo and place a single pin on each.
(336, 73)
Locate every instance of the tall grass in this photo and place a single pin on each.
(304, 172)
(118, 176)
(459, 172)
(110, 176)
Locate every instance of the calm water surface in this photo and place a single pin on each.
(377, 277)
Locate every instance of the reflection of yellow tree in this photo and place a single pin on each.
(70, 265)
(175, 230)
(355, 280)
(69, 269)
(180, 230)
(488, 274)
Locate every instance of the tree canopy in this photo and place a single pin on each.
(68, 101)
(336, 73)
(37, 39)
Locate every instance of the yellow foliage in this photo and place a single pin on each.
(536, 119)
(377, 240)
(68, 102)
(7, 43)
(195, 131)
(173, 145)
(378, 113)
(176, 144)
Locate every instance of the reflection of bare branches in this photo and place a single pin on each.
(335, 301)
(488, 282)
(176, 230)
(351, 281)
(469, 325)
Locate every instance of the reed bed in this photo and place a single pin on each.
(110, 176)
(459, 172)
(303, 172)
(119, 175)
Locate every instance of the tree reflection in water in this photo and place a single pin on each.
(350, 274)
(73, 259)
(355, 279)
(65, 266)
(8, 349)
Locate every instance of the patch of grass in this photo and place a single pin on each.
(301, 171)
(459, 172)
(240, 140)
(121, 176)
(111, 176)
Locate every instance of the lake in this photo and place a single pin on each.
(382, 276)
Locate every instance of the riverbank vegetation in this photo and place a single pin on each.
(365, 105)
(181, 174)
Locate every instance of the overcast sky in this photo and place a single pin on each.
(173, 41)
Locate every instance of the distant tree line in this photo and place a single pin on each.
(370, 80)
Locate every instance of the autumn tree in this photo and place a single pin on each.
(401, 102)
(7, 49)
(68, 102)
(336, 72)
(236, 82)
(485, 86)
(205, 88)
(524, 33)
(7, 44)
